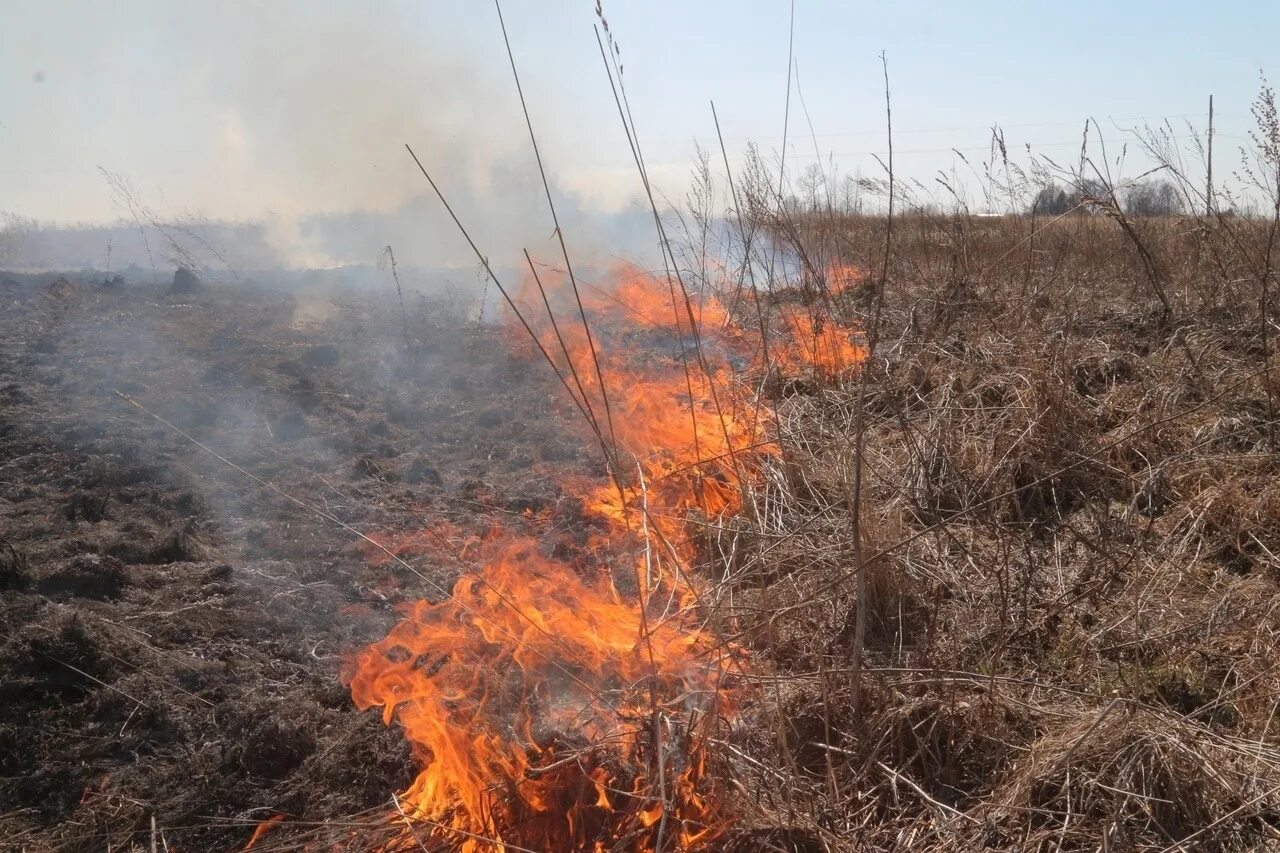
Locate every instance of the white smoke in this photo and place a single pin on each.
(298, 116)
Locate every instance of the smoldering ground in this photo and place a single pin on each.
(177, 628)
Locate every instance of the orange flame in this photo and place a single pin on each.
(262, 829)
(820, 345)
(506, 688)
(841, 277)
(566, 702)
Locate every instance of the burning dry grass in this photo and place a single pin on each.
(569, 700)
(1066, 535)
(1068, 532)
(963, 540)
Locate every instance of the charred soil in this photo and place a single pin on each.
(174, 629)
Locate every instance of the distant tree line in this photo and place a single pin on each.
(1144, 198)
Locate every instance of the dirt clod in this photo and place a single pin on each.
(85, 576)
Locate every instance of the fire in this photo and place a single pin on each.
(567, 701)
(820, 345)
(840, 277)
(262, 829)
(508, 688)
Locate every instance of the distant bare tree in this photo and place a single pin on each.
(1051, 200)
(1153, 198)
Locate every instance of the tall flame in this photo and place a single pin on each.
(568, 701)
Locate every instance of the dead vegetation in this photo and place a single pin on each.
(1010, 585)
(1069, 535)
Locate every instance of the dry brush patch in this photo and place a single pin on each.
(1071, 517)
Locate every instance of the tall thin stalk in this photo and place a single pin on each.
(611, 458)
(854, 490)
(404, 314)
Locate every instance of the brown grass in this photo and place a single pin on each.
(1073, 520)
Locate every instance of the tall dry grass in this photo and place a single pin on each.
(1068, 534)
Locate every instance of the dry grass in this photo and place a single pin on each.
(1073, 521)
(1014, 585)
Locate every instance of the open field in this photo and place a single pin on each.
(419, 436)
(1069, 533)
(1037, 611)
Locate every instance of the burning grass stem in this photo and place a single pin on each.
(669, 260)
(659, 760)
(564, 350)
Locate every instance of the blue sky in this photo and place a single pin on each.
(240, 110)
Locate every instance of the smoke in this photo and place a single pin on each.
(320, 107)
(295, 117)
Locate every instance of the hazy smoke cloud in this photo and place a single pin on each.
(303, 111)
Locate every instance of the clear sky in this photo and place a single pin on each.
(240, 109)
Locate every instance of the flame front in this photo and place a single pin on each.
(568, 701)
(509, 689)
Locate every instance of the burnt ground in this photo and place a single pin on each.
(173, 632)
